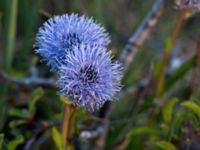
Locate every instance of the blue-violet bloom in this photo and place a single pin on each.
(60, 34)
(90, 78)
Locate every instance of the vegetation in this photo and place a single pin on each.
(158, 107)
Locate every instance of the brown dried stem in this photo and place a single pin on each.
(29, 81)
(143, 31)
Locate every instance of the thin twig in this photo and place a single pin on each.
(137, 39)
(29, 81)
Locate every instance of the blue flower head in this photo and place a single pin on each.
(60, 34)
(89, 78)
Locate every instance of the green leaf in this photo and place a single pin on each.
(14, 143)
(15, 123)
(24, 113)
(179, 120)
(142, 130)
(35, 96)
(192, 106)
(167, 110)
(166, 145)
(1, 140)
(180, 72)
(57, 139)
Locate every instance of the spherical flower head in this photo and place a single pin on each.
(60, 34)
(89, 78)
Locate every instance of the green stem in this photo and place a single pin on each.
(10, 38)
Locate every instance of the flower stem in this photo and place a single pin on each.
(67, 128)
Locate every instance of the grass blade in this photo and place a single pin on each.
(10, 38)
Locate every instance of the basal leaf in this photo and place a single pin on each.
(21, 113)
(164, 145)
(14, 143)
(167, 109)
(35, 96)
(15, 123)
(142, 130)
(57, 139)
(193, 106)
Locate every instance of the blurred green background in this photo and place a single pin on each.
(30, 116)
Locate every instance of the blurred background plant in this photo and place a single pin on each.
(159, 107)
